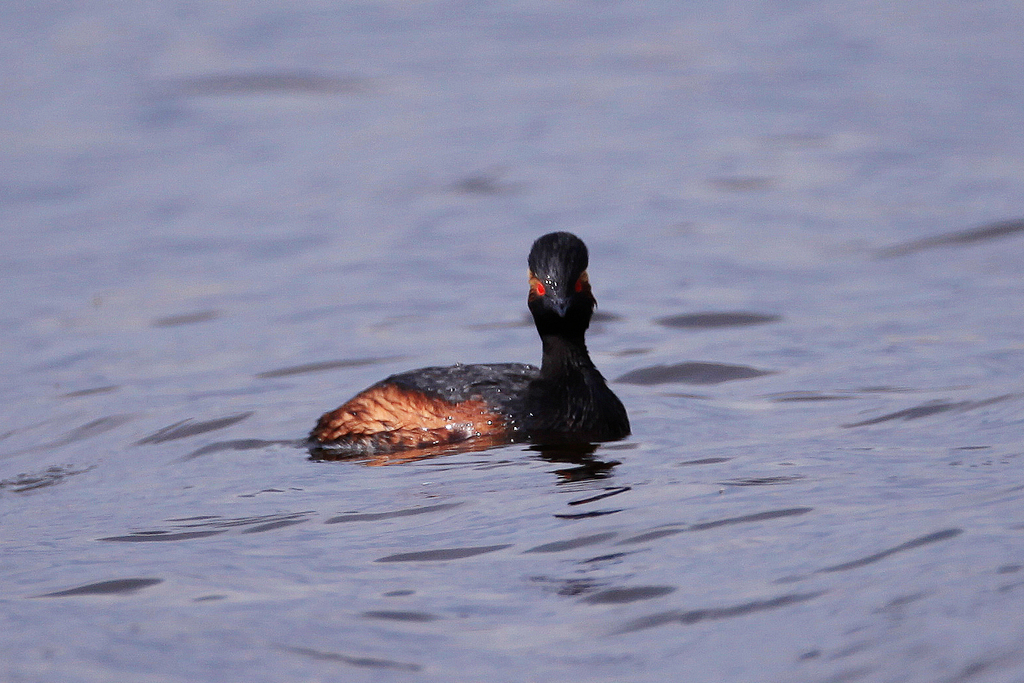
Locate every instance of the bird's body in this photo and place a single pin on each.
(566, 399)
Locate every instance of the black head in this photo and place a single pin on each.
(560, 297)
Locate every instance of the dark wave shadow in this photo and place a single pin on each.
(443, 554)
(324, 366)
(748, 519)
(588, 514)
(765, 516)
(23, 483)
(187, 427)
(112, 587)
(653, 535)
(601, 317)
(572, 544)
(691, 373)
(203, 526)
(607, 557)
(806, 397)
(763, 481)
(695, 616)
(717, 319)
(157, 536)
(394, 514)
(622, 596)
(364, 662)
(704, 461)
(927, 539)
(931, 408)
(743, 183)
(984, 233)
(91, 429)
(92, 391)
(186, 318)
(271, 526)
(485, 183)
(607, 493)
(399, 615)
(238, 445)
(568, 588)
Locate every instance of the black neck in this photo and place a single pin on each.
(564, 355)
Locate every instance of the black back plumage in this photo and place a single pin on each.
(500, 385)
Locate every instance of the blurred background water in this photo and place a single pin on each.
(806, 233)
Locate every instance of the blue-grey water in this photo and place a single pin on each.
(806, 224)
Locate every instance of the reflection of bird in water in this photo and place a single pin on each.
(566, 400)
(584, 466)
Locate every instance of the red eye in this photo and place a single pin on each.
(537, 287)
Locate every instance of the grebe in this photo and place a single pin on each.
(565, 400)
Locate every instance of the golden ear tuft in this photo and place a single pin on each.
(583, 282)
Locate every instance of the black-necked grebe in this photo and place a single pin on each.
(566, 399)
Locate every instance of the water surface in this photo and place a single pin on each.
(804, 224)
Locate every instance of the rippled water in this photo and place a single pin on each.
(806, 238)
